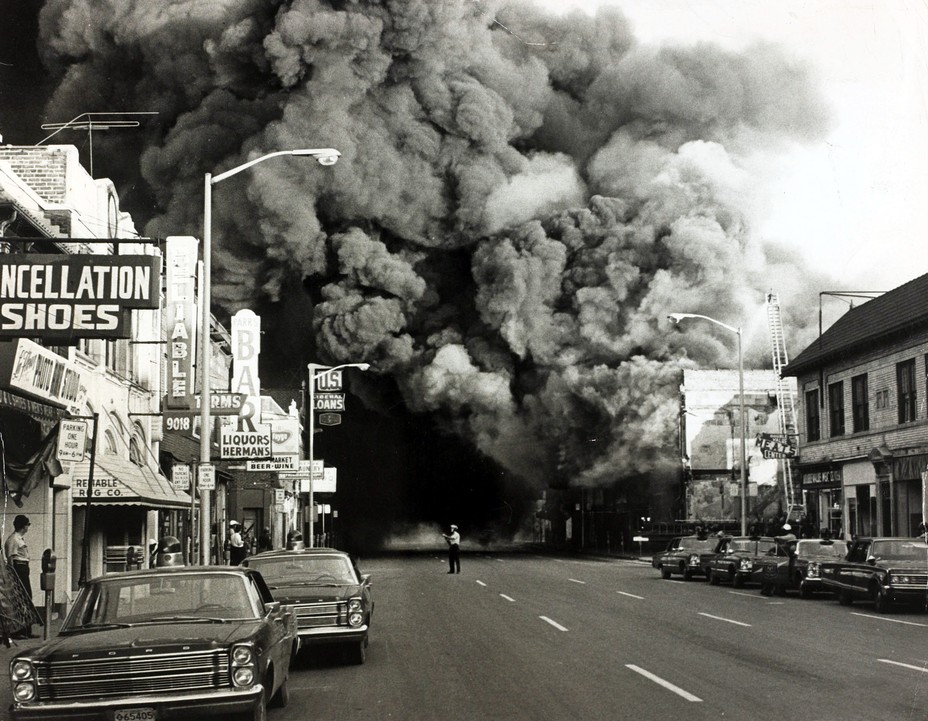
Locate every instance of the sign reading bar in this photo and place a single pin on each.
(72, 439)
(75, 296)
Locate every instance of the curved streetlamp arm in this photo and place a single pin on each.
(326, 156)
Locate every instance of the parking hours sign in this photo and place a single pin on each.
(72, 436)
(206, 477)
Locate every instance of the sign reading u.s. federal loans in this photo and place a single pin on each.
(58, 297)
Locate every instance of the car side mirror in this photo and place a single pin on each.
(271, 607)
(366, 578)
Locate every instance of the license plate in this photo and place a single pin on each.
(135, 714)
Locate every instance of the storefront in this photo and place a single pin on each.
(823, 497)
(130, 505)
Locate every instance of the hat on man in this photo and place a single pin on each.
(453, 527)
(234, 523)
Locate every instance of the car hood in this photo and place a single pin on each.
(314, 594)
(144, 639)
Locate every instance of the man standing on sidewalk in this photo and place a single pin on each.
(17, 557)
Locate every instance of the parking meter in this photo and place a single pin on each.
(47, 577)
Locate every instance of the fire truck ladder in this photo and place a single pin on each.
(787, 411)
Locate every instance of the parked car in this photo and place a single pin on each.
(686, 555)
(331, 599)
(163, 643)
(737, 558)
(885, 571)
(796, 565)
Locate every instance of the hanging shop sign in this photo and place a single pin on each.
(236, 444)
(29, 368)
(180, 318)
(775, 446)
(63, 297)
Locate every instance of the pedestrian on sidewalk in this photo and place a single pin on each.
(17, 558)
(236, 544)
(454, 549)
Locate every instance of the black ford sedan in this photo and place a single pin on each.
(331, 599)
(157, 644)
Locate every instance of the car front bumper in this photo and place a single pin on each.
(331, 634)
(219, 704)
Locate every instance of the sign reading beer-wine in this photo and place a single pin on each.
(62, 297)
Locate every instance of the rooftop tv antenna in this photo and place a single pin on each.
(96, 121)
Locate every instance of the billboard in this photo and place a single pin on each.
(62, 297)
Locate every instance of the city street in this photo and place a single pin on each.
(523, 636)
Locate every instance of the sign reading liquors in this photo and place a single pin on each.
(57, 297)
(245, 444)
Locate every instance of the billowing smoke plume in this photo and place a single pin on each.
(514, 213)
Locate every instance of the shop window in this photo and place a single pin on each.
(860, 405)
(836, 409)
(813, 428)
(905, 390)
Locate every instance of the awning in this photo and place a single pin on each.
(117, 481)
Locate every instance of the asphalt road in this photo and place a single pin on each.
(521, 636)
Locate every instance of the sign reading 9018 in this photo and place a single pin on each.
(179, 422)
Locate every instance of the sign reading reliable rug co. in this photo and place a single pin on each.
(57, 297)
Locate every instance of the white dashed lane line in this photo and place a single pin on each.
(666, 684)
(481, 583)
(889, 620)
(558, 626)
(726, 620)
(630, 595)
(508, 598)
(574, 580)
(922, 669)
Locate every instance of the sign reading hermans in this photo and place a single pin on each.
(57, 297)
(245, 444)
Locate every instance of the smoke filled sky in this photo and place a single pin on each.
(853, 202)
(522, 198)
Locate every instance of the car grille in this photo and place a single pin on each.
(315, 615)
(130, 675)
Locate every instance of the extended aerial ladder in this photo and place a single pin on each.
(787, 410)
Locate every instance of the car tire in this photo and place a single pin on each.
(765, 589)
(805, 591)
(687, 574)
(738, 581)
(881, 604)
(713, 578)
(845, 597)
(282, 697)
(665, 573)
(357, 654)
(258, 713)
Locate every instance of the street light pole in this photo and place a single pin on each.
(311, 423)
(324, 156)
(676, 318)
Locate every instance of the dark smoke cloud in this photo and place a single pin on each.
(514, 213)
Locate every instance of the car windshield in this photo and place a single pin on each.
(817, 549)
(164, 598)
(900, 550)
(751, 545)
(305, 570)
(698, 544)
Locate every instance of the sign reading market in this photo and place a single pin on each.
(58, 297)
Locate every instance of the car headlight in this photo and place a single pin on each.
(243, 666)
(747, 564)
(21, 670)
(813, 570)
(894, 578)
(355, 618)
(694, 559)
(354, 604)
(24, 691)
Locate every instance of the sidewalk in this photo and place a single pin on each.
(21, 644)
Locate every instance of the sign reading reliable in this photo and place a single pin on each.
(75, 296)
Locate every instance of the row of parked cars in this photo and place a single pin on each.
(884, 571)
(176, 642)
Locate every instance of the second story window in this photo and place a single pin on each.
(905, 390)
(836, 408)
(813, 428)
(860, 404)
